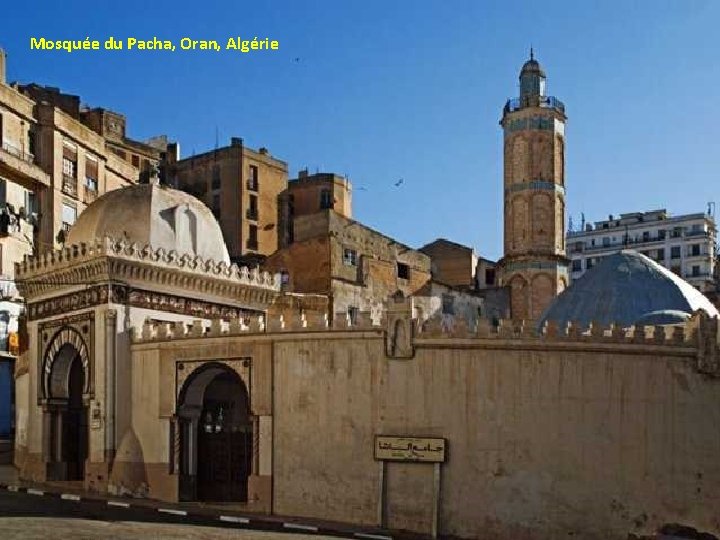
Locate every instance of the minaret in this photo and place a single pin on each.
(534, 265)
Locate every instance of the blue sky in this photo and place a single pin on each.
(414, 89)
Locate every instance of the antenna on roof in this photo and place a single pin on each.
(217, 138)
(711, 209)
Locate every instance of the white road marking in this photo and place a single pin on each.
(35, 492)
(172, 511)
(373, 536)
(121, 504)
(70, 497)
(234, 519)
(300, 527)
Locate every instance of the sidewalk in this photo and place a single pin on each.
(201, 513)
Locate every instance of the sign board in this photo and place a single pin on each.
(421, 449)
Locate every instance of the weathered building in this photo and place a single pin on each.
(356, 267)
(146, 252)
(241, 187)
(534, 265)
(311, 193)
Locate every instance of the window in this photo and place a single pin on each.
(403, 271)
(592, 242)
(606, 241)
(448, 304)
(695, 250)
(31, 141)
(646, 236)
(253, 178)
(489, 276)
(349, 257)
(676, 232)
(135, 161)
(588, 263)
(291, 205)
(216, 177)
(661, 254)
(252, 241)
(216, 205)
(661, 234)
(675, 252)
(325, 199)
(69, 181)
(31, 203)
(576, 265)
(91, 173)
(352, 312)
(252, 211)
(3, 192)
(695, 271)
(69, 215)
(68, 167)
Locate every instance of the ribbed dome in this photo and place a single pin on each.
(627, 288)
(156, 215)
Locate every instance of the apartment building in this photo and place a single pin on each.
(241, 186)
(685, 244)
(56, 157)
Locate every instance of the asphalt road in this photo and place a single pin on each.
(26, 516)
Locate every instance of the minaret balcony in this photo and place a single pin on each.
(546, 102)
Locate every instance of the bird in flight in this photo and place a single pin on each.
(399, 182)
(296, 59)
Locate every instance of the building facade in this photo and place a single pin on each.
(356, 267)
(685, 244)
(56, 158)
(311, 193)
(241, 186)
(534, 265)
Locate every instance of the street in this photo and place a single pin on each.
(27, 516)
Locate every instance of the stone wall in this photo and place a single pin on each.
(584, 432)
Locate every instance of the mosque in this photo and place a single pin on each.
(155, 368)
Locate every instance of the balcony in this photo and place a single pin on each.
(699, 275)
(252, 184)
(546, 102)
(252, 214)
(697, 233)
(69, 185)
(16, 163)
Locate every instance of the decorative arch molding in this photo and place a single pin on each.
(59, 342)
(66, 345)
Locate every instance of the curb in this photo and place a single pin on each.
(216, 519)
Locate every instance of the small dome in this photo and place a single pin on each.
(156, 215)
(532, 66)
(628, 288)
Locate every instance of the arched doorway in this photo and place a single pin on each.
(215, 435)
(68, 437)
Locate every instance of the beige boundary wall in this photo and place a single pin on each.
(599, 434)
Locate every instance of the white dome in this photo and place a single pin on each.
(154, 215)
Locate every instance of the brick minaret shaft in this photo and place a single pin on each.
(534, 265)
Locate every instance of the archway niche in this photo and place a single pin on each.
(216, 435)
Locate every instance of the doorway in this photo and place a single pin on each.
(216, 436)
(68, 416)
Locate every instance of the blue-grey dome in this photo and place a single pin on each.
(628, 288)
